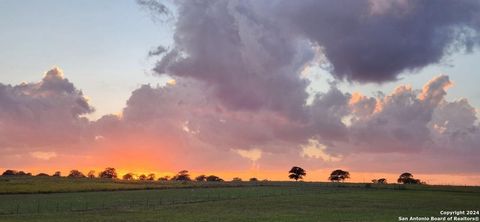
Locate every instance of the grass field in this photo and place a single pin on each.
(63, 199)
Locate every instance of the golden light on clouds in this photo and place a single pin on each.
(315, 149)
(43, 155)
(171, 82)
(253, 154)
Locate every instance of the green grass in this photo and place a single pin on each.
(263, 201)
(30, 185)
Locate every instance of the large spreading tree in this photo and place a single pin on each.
(297, 173)
(407, 178)
(339, 175)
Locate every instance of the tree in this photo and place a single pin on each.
(9, 173)
(201, 178)
(151, 176)
(182, 176)
(57, 174)
(128, 176)
(339, 175)
(91, 174)
(22, 173)
(76, 174)
(164, 178)
(42, 175)
(142, 177)
(253, 179)
(109, 173)
(380, 181)
(213, 178)
(15, 173)
(237, 179)
(407, 178)
(297, 173)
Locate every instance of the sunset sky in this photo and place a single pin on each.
(242, 88)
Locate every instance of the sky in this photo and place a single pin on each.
(242, 88)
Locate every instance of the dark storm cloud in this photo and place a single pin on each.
(376, 40)
(248, 59)
(227, 42)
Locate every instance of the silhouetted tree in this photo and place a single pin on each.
(297, 173)
(382, 181)
(253, 179)
(21, 173)
(404, 176)
(9, 173)
(237, 179)
(91, 174)
(57, 174)
(164, 178)
(151, 176)
(213, 178)
(109, 173)
(42, 175)
(15, 173)
(128, 176)
(201, 178)
(407, 178)
(182, 176)
(76, 174)
(339, 175)
(142, 177)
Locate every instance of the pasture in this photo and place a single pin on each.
(63, 199)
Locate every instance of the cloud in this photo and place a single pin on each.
(158, 9)
(376, 40)
(400, 120)
(185, 125)
(43, 114)
(43, 155)
(249, 63)
(247, 58)
(253, 51)
(238, 85)
(314, 149)
(253, 154)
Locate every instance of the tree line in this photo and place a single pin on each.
(111, 173)
(296, 173)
